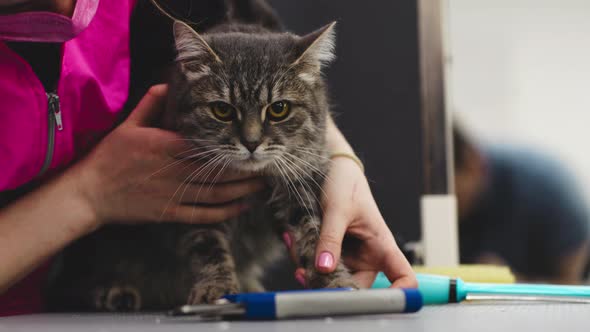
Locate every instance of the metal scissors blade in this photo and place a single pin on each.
(221, 309)
(527, 298)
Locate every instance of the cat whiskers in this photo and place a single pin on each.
(182, 159)
(312, 152)
(283, 169)
(306, 163)
(205, 169)
(311, 166)
(315, 154)
(301, 175)
(225, 164)
(283, 177)
(211, 167)
(195, 156)
(297, 177)
(192, 175)
(200, 147)
(191, 139)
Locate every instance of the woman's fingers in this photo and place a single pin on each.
(332, 232)
(300, 277)
(233, 176)
(291, 247)
(397, 269)
(150, 106)
(220, 193)
(365, 279)
(204, 214)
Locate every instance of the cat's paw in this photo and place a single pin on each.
(341, 278)
(208, 293)
(342, 282)
(118, 298)
(316, 281)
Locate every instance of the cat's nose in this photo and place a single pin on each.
(251, 146)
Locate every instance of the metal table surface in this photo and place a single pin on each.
(456, 318)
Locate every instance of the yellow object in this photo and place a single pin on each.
(471, 273)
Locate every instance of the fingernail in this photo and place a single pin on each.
(325, 260)
(287, 240)
(300, 279)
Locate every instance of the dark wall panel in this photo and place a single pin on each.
(374, 85)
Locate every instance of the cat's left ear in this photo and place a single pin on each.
(190, 45)
(317, 49)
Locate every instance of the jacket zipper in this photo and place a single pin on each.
(54, 121)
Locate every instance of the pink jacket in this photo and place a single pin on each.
(41, 133)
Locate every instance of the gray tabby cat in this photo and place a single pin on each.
(247, 99)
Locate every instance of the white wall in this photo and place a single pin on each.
(520, 72)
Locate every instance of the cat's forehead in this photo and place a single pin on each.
(252, 52)
(254, 66)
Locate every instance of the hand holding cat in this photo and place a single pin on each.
(136, 175)
(350, 209)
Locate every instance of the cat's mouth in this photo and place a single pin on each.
(252, 162)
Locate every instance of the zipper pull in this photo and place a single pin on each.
(55, 108)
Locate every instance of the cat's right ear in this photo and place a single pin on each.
(317, 50)
(191, 46)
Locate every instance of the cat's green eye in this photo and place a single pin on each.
(279, 111)
(223, 111)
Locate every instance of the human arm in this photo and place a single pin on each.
(40, 224)
(132, 176)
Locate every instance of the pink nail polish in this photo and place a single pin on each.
(287, 240)
(300, 279)
(325, 260)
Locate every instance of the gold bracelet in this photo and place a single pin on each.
(350, 156)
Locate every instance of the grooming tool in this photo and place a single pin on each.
(526, 298)
(307, 303)
(471, 272)
(441, 290)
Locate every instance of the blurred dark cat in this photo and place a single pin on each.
(247, 99)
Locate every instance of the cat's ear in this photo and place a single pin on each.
(190, 45)
(317, 49)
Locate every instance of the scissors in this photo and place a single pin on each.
(307, 303)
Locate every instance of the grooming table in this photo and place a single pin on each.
(455, 317)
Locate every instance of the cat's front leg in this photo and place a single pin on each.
(117, 299)
(211, 265)
(306, 233)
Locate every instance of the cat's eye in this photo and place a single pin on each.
(279, 111)
(223, 111)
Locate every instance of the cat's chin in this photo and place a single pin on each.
(251, 165)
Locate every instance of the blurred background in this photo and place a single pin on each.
(519, 73)
(374, 85)
(516, 84)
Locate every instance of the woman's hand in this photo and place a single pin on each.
(350, 209)
(124, 179)
(137, 174)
